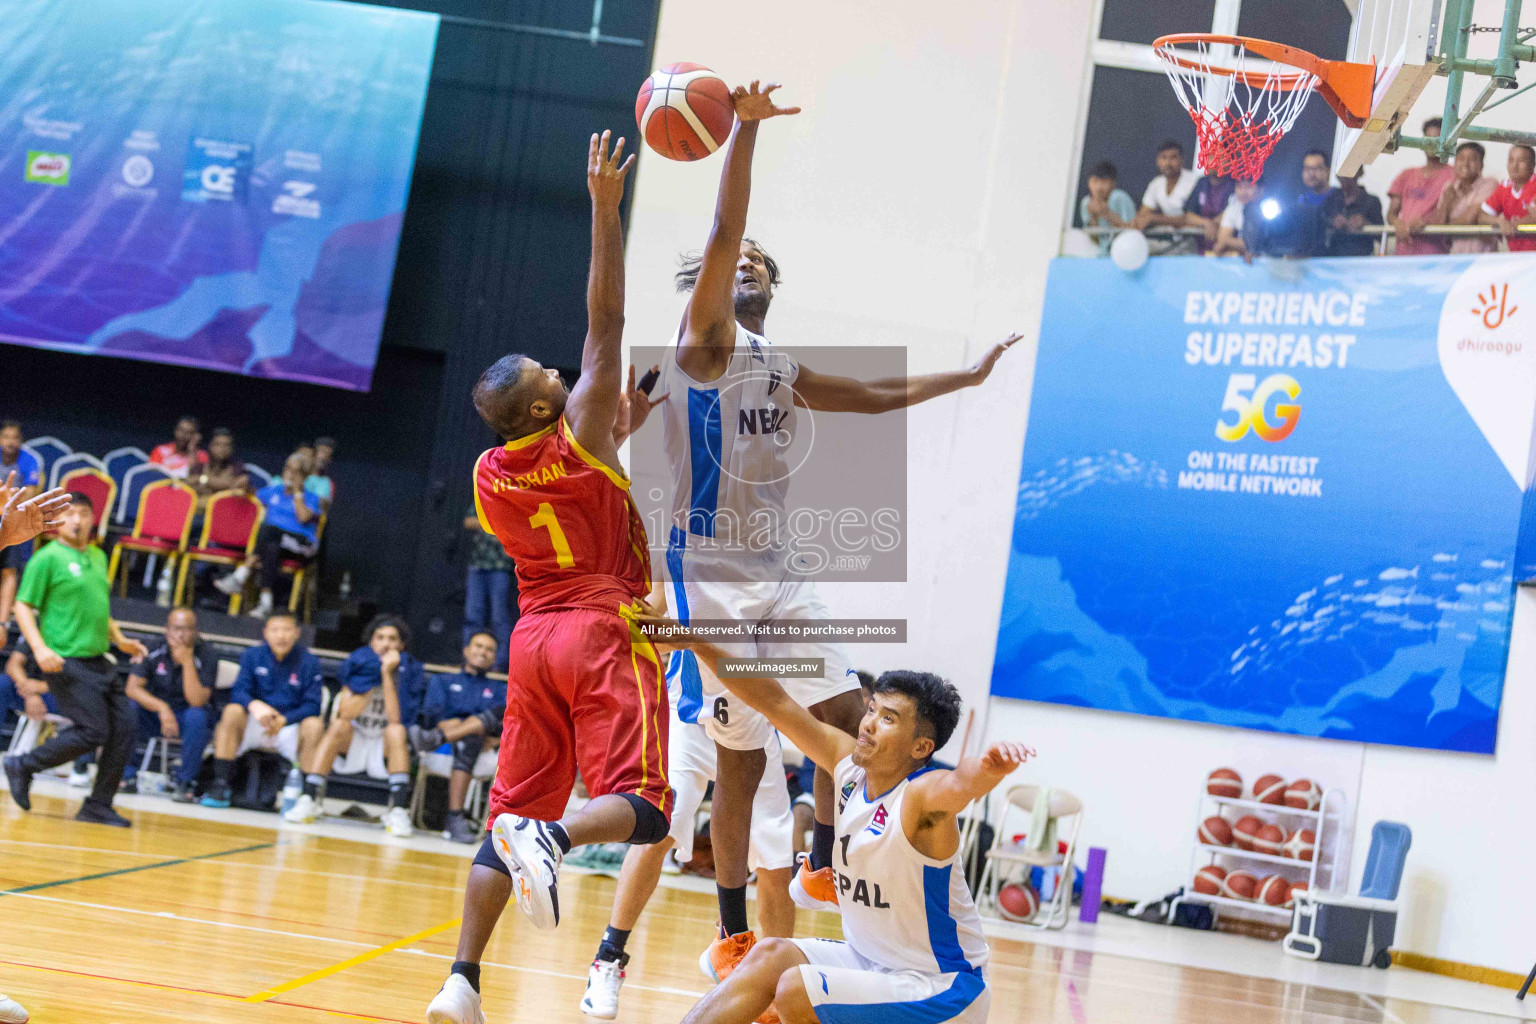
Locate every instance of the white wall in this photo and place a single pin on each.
(917, 201)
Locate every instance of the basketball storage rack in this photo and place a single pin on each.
(1327, 822)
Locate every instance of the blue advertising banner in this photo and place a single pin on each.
(213, 183)
(1283, 496)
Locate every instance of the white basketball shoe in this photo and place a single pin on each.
(456, 1002)
(604, 979)
(533, 857)
(12, 1012)
(303, 812)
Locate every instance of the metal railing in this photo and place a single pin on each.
(1385, 232)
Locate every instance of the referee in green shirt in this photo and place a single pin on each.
(64, 612)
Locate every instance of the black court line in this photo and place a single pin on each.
(141, 867)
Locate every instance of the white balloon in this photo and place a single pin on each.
(1077, 242)
(1129, 250)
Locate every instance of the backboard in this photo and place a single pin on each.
(1403, 36)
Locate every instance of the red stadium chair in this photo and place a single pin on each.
(100, 488)
(303, 583)
(230, 524)
(161, 526)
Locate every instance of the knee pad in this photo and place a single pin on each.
(486, 857)
(651, 826)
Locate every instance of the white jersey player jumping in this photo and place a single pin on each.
(913, 949)
(731, 415)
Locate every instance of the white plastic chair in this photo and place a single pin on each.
(1004, 854)
(30, 734)
(441, 765)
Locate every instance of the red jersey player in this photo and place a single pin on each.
(585, 688)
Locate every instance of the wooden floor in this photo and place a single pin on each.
(189, 921)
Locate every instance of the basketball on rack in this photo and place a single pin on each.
(1215, 832)
(1018, 902)
(1274, 891)
(1270, 839)
(1208, 880)
(1241, 885)
(1224, 782)
(1270, 789)
(1296, 887)
(1303, 795)
(1302, 845)
(1244, 832)
(685, 111)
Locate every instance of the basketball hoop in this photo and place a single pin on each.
(1244, 94)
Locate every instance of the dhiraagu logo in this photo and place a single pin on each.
(48, 168)
(1249, 403)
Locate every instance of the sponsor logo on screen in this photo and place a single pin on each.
(216, 171)
(1494, 307)
(48, 168)
(138, 170)
(297, 200)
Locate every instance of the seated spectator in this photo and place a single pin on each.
(1162, 204)
(223, 471)
(172, 689)
(1512, 201)
(178, 455)
(319, 482)
(1105, 206)
(1205, 206)
(1463, 199)
(1413, 198)
(22, 687)
(382, 690)
(274, 705)
(290, 530)
(1349, 208)
(1229, 234)
(488, 595)
(465, 709)
(28, 475)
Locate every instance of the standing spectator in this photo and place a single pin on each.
(1105, 206)
(1463, 199)
(274, 705)
(1162, 204)
(64, 612)
(319, 482)
(383, 687)
(1512, 201)
(1350, 208)
(290, 530)
(223, 470)
(1205, 206)
(29, 478)
(465, 709)
(178, 455)
(172, 689)
(1413, 198)
(487, 588)
(1229, 232)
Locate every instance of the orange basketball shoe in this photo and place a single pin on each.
(720, 959)
(813, 890)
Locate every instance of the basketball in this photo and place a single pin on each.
(1302, 844)
(1018, 902)
(1296, 887)
(1303, 795)
(1245, 831)
(1224, 782)
(1269, 839)
(1209, 879)
(1216, 832)
(1241, 885)
(1270, 789)
(1274, 891)
(684, 111)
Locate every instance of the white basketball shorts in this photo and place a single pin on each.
(691, 767)
(846, 988)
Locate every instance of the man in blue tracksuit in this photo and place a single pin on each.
(465, 709)
(275, 704)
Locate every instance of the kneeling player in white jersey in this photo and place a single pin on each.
(731, 415)
(913, 950)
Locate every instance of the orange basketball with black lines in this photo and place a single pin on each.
(685, 111)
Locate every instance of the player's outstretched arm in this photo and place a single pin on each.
(595, 398)
(822, 743)
(710, 319)
(826, 393)
(952, 792)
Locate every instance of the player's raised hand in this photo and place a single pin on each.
(634, 406)
(605, 173)
(983, 367)
(20, 521)
(1002, 758)
(756, 104)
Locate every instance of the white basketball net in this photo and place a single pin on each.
(1238, 116)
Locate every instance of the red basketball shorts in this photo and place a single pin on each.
(585, 689)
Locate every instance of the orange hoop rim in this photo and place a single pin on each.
(1308, 64)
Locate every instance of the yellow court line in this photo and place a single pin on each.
(361, 958)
